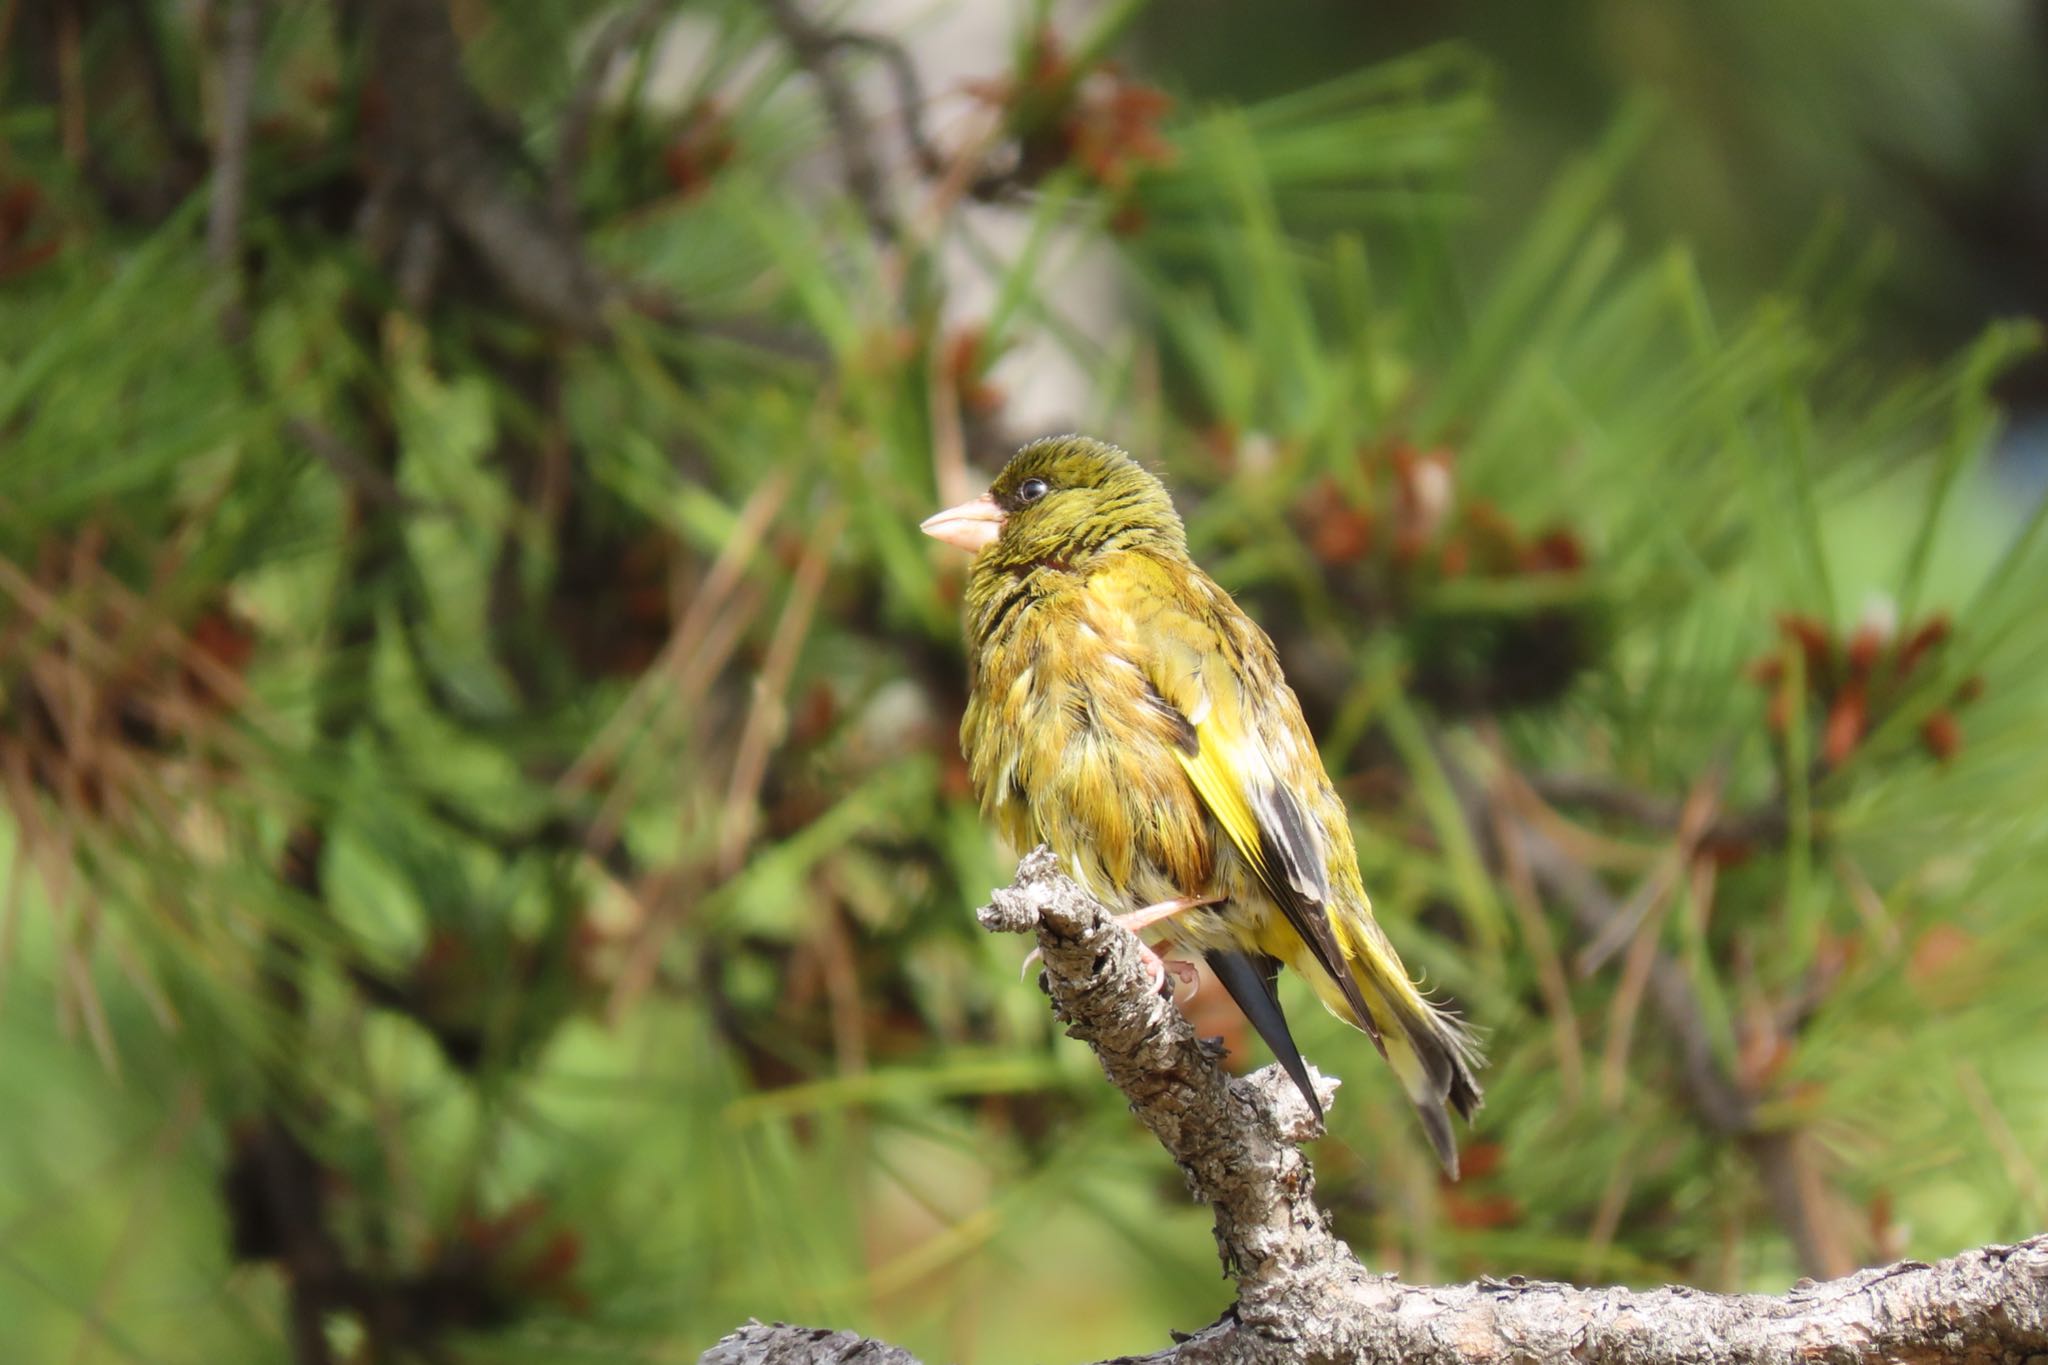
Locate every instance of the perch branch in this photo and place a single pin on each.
(1234, 1139)
(1303, 1297)
(1984, 1306)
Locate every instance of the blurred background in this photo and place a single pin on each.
(488, 873)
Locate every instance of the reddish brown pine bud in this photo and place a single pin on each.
(1937, 952)
(1779, 714)
(1558, 551)
(1930, 636)
(1844, 729)
(702, 149)
(550, 1270)
(1866, 647)
(1481, 1159)
(1130, 219)
(1340, 534)
(1813, 643)
(1479, 1211)
(225, 640)
(1050, 68)
(964, 365)
(1942, 736)
(1220, 440)
(1456, 558)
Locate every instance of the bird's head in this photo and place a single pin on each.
(1059, 501)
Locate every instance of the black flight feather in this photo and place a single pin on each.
(1294, 875)
(1251, 980)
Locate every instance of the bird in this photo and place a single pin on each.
(1125, 711)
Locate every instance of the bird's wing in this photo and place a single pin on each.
(1216, 672)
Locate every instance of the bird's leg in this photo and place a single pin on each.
(1157, 968)
(1139, 920)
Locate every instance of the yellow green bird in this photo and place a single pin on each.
(1125, 711)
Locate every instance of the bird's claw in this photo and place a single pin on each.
(1157, 970)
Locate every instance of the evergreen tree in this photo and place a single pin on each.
(491, 868)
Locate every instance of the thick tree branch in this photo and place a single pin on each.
(813, 46)
(1979, 1308)
(448, 146)
(1233, 1138)
(1303, 1297)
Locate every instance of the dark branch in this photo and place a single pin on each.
(814, 48)
(572, 144)
(909, 95)
(244, 32)
(1763, 826)
(447, 144)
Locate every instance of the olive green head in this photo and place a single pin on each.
(1059, 501)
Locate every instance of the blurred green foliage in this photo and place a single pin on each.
(491, 874)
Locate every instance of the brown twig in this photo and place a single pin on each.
(239, 43)
(156, 83)
(1650, 977)
(1798, 1196)
(445, 142)
(767, 716)
(814, 48)
(1762, 826)
(925, 153)
(1670, 995)
(572, 145)
(73, 135)
(1551, 982)
(348, 462)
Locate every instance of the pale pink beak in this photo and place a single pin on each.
(971, 525)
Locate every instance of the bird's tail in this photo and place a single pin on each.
(1432, 1051)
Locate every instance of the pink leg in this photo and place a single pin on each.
(1138, 921)
(1157, 969)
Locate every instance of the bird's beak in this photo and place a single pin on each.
(971, 525)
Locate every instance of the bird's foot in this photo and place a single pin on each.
(1157, 968)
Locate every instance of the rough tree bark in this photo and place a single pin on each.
(1303, 1297)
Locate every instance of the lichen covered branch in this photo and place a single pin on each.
(1303, 1297)
(1234, 1138)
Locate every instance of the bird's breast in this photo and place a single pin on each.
(1068, 745)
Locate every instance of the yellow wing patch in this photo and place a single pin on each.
(1210, 770)
(1216, 769)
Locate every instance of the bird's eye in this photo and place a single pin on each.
(1031, 490)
